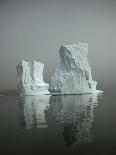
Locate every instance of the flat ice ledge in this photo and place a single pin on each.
(30, 78)
(97, 92)
(35, 93)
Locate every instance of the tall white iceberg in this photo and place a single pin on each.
(73, 75)
(30, 78)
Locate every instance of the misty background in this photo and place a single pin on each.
(35, 29)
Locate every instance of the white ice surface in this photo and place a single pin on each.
(73, 75)
(30, 78)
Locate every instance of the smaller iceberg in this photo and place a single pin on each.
(30, 78)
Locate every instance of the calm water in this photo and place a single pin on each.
(72, 124)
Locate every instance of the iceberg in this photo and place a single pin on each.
(73, 74)
(30, 78)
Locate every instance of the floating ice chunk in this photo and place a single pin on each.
(73, 75)
(30, 78)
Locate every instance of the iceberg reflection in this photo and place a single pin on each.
(76, 114)
(32, 111)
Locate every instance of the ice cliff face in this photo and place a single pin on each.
(73, 75)
(30, 78)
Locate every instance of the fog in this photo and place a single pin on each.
(36, 29)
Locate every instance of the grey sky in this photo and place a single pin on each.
(36, 29)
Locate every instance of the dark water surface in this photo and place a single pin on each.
(72, 124)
